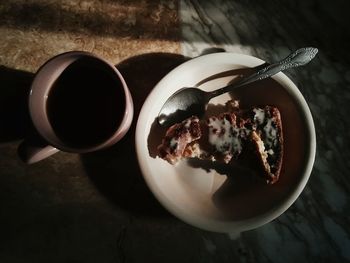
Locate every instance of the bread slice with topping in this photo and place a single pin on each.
(251, 137)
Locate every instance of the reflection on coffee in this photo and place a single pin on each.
(86, 103)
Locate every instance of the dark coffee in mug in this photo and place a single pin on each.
(86, 104)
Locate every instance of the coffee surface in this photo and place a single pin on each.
(86, 103)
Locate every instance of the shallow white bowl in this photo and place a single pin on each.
(206, 198)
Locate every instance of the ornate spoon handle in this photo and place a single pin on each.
(298, 58)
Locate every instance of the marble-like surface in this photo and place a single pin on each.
(317, 227)
(96, 207)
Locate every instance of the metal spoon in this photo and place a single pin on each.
(191, 101)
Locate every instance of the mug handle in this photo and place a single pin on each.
(34, 149)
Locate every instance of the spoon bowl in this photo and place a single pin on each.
(182, 104)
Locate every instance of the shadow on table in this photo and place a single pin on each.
(115, 171)
(14, 115)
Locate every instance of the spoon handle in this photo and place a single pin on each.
(298, 58)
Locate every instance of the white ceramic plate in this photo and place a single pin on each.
(206, 198)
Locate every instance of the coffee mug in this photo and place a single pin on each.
(78, 103)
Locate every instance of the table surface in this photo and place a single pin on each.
(96, 207)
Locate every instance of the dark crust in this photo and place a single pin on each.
(275, 113)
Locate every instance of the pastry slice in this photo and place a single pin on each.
(250, 137)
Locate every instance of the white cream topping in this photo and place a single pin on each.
(188, 123)
(173, 142)
(270, 134)
(259, 116)
(224, 136)
(270, 152)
